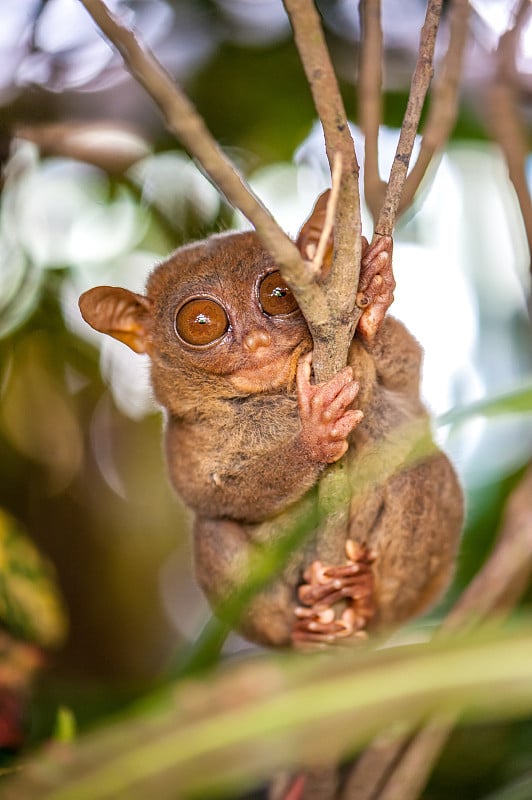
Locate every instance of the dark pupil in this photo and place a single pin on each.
(275, 296)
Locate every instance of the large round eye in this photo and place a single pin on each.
(275, 296)
(201, 321)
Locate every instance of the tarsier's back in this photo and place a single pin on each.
(248, 437)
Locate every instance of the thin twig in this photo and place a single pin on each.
(504, 576)
(407, 761)
(410, 776)
(321, 784)
(443, 109)
(373, 767)
(444, 101)
(418, 89)
(185, 122)
(330, 214)
(505, 120)
(370, 100)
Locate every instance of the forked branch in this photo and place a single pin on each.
(327, 309)
(342, 281)
(332, 340)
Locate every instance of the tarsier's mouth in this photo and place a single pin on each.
(270, 373)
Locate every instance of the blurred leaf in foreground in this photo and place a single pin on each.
(31, 617)
(30, 605)
(65, 725)
(235, 727)
(518, 401)
(519, 790)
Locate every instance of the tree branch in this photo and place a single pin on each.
(418, 90)
(504, 576)
(332, 339)
(442, 112)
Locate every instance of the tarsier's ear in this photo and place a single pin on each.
(120, 313)
(309, 235)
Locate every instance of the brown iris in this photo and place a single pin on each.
(201, 321)
(275, 296)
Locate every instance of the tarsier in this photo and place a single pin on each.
(248, 436)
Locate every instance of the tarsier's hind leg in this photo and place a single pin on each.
(397, 565)
(416, 539)
(227, 556)
(282, 612)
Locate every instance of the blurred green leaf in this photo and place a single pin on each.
(65, 725)
(20, 288)
(519, 401)
(236, 726)
(518, 790)
(30, 605)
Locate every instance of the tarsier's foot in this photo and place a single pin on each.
(317, 622)
(376, 284)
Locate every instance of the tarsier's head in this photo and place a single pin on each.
(216, 314)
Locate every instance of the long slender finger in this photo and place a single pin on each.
(343, 572)
(381, 264)
(343, 426)
(325, 393)
(343, 399)
(380, 245)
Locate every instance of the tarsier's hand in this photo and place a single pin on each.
(324, 411)
(376, 284)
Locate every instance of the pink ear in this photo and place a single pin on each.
(120, 313)
(309, 235)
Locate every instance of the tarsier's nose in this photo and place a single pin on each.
(256, 339)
